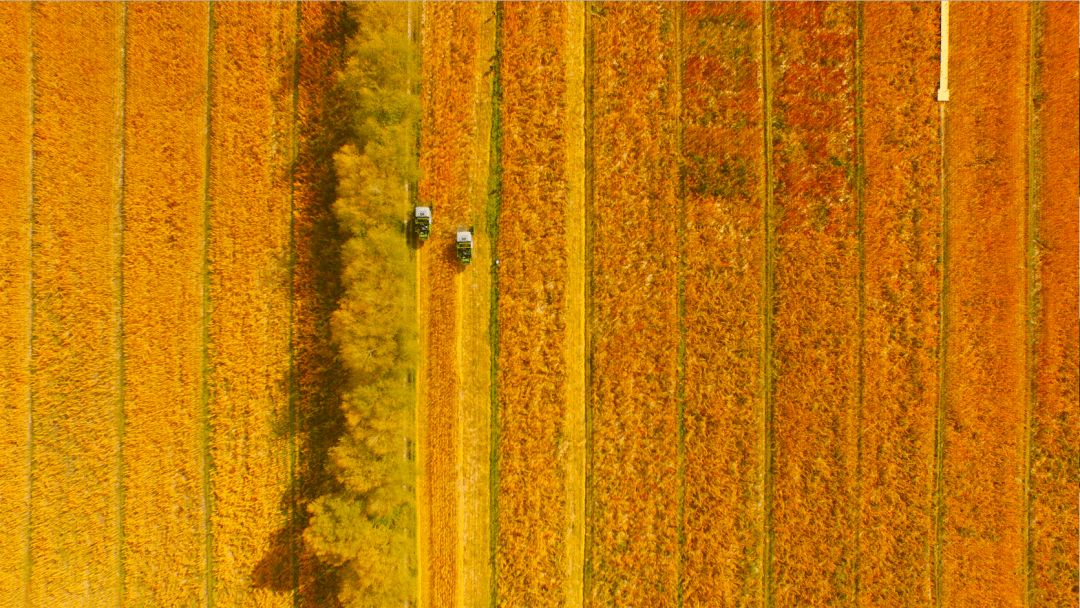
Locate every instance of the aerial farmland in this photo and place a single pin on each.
(539, 304)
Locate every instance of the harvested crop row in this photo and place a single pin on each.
(723, 182)
(318, 375)
(451, 34)
(531, 554)
(902, 245)
(816, 302)
(249, 253)
(633, 521)
(1054, 473)
(75, 527)
(164, 198)
(14, 295)
(983, 512)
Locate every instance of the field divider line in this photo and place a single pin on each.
(121, 372)
(939, 427)
(27, 563)
(290, 379)
(680, 390)
(204, 371)
(860, 181)
(767, 318)
(587, 205)
(494, 210)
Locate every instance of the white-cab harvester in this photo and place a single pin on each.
(422, 222)
(464, 246)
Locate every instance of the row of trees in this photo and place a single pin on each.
(368, 527)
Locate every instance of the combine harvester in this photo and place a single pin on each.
(464, 245)
(422, 222)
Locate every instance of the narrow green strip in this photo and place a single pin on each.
(494, 205)
(204, 439)
(587, 571)
(681, 293)
(767, 314)
(28, 562)
(939, 427)
(120, 416)
(295, 522)
(860, 182)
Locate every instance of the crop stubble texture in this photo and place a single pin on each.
(316, 278)
(723, 186)
(249, 292)
(983, 517)
(75, 545)
(1054, 461)
(532, 373)
(14, 295)
(634, 547)
(815, 306)
(902, 247)
(451, 35)
(165, 160)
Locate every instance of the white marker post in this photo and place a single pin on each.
(943, 88)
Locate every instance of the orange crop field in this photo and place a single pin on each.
(815, 250)
(723, 279)
(75, 525)
(983, 503)
(531, 550)
(767, 304)
(164, 199)
(1053, 427)
(632, 547)
(249, 264)
(901, 280)
(14, 295)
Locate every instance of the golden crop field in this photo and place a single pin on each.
(752, 317)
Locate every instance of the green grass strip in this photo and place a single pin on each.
(494, 203)
(860, 182)
(120, 419)
(204, 438)
(767, 314)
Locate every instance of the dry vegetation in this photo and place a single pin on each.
(816, 302)
(14, 295)
(982, 520)
(902, 244)
(723, 189)
(532, 373)
(75, 371)
(249, 240)
(633, 551)
(164, 198)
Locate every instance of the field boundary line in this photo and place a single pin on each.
(494, 210)
(204, 397)
(28, 560)
(860, 182)
(680, 391)
(586, 569)
(121, 227)
(1031, 303)
(939, 427)
(290, 381)
(767, 310)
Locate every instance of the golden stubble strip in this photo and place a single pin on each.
(532, 367)
(1053, 534)
(164, 196)
(249, 232)
(318, 375)
(633, 554)
(815, 303)
(75, 535)
(15, 311)
(723, 168)
(983, 509)
(902, 246)
(451, 39)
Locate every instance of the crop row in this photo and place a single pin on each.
(723, 189)
(532, 374)
(451, 32)
(632, 554)
(815, 302)
(75, 370)
(249, 241)
(164, 198)
(1054, 426)
(14, 294)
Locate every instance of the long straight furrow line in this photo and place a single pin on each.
(15, 295)
(634, 305)
(902, 246)
(165, 160)
(74, 548)
(815, 306)
(723, 183)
